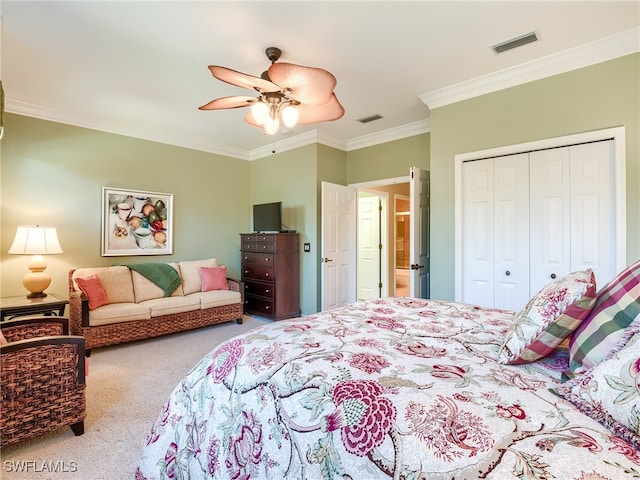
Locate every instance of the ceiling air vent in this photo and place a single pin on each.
(514, 42)
(370, 118)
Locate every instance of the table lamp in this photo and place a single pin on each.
(37, 241)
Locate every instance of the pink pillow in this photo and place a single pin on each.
(93, 289)
(2, 339)
(214, 278)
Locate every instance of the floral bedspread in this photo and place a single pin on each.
(390, 388)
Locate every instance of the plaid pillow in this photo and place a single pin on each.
(617, 306)
(549, 317)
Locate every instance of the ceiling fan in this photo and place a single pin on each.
(288, 94)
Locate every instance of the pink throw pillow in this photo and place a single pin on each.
(93, 289)
(214, 278)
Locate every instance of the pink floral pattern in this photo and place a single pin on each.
(363, 415)
(388, 388)
(225, 359)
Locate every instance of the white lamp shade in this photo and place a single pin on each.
(35, 240)
(271, 125)
(290, 116)
(259, 110)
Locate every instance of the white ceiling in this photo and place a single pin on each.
(140, 68)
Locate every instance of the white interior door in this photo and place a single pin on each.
(550, 216)
(338, 249)
(511, 231)
(593, 219)
(369, 244)
(419, 276)
(477, 224)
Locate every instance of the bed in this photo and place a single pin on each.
(406, 388)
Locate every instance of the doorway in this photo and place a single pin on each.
(402, 244)
(339, 254)
(378, 273)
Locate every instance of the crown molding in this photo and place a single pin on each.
(396, 133)
(68, 118)
(298, 141)
(384, 136)
(599, 51)
(284, 145)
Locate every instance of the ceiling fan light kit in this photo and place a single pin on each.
(288, 94)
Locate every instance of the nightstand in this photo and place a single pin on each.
(11, 307)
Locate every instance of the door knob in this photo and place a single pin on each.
(325, 259)
(415, 266)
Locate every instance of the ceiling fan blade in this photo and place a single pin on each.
(229, 102)
(326, 112)
(309, 84)
(240, 79)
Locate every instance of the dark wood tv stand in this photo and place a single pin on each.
(270, 269)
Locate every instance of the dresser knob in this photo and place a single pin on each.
(507, 273)
(266, 274)
(553, 275)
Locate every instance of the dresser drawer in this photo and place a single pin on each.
(259, 259)
(269, 238)
(258, 247)
(259, 305)
(259, 289)
(257, 272)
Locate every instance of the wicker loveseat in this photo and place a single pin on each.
(137, 308)
(42, 378)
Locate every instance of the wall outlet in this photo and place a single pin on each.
(307, 247)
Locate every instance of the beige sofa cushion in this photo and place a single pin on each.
(118, 313)
(116, 281)
(144, 289)
(171, 305)
(190, 271)
(217, 298)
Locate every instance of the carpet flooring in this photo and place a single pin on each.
(126, 388)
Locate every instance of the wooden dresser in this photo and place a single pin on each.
(271, 274)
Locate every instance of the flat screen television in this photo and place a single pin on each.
(267, 217)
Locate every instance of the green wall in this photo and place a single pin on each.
(592, 98)
(388, 160)
(290, 177)
(53, 174)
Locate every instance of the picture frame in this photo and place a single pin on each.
(136, 222)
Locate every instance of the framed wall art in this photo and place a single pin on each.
(135, 222)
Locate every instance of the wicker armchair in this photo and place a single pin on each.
(42, 378)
